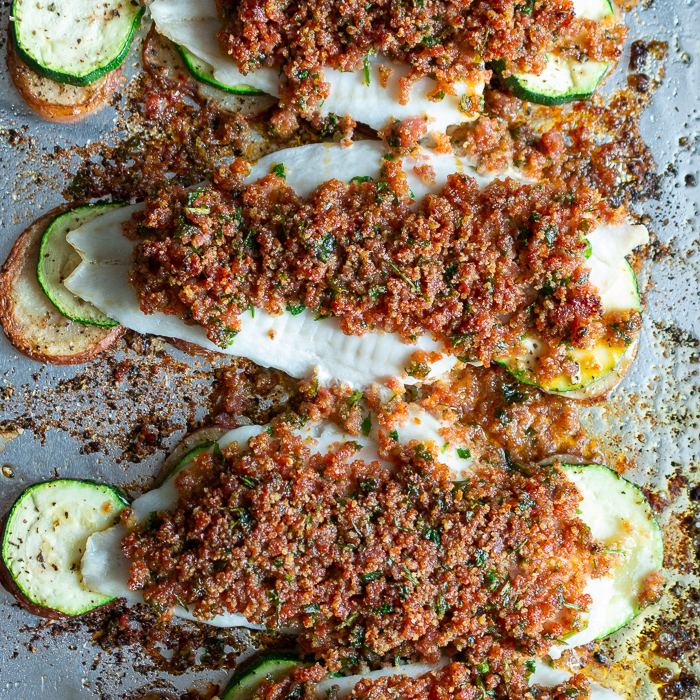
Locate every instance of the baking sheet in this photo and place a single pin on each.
(82, 422)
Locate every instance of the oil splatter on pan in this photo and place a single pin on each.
(115, 420)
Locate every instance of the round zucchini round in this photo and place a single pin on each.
(31, 321)
(58, 259)
(564, 79)
(620, 516)
(203, 72)
(71, 42)
(601, 367)
(44, 539)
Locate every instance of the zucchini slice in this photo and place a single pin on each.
(191, 442)
(205, 74)
(45, 537)
(58, 259)
(564, 79)
(619, 515)
(74, 41)
(58, 102)
(595, 364)
(271, 665)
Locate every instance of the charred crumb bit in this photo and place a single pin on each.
(682, 687)
(123, 370)
(678, 335)
(147, 438)
(658, 502)
(677, 484)
(644, 53)
(601, 658)
(660, 675)
(92, 447)
(639, 82)
(78, 383)
(15, 138)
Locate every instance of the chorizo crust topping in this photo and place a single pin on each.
(368, 560)
(477, 269)
(446, 40)
(497, 677)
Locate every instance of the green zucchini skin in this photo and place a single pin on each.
(270, 664)
(77, 77)
(43, 539)
(627, 520)
(203, 73)
(522, 85)
(56, 257)
(517, 87)
(614, 363)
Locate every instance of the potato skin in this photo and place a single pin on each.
(55, 102)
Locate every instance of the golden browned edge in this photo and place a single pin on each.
(21, 262)
(603, 387)
(56, 102)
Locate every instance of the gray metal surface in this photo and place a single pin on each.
(652, 420)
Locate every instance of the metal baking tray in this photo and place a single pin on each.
(80, 421)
